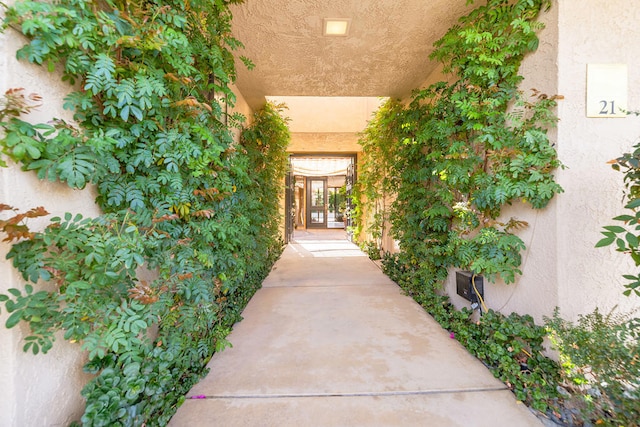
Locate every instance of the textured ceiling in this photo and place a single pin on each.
(385, 54)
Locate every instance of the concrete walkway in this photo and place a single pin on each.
(330, 341)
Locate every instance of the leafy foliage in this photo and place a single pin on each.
(601, 353)
(181, 198)
(462, 150)
(600, 357)
(626, 236)
(376, 181)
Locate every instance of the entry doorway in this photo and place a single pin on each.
(316, 202)
(321, 191)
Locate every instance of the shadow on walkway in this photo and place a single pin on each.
(331, 341)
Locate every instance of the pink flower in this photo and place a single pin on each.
(452, 335)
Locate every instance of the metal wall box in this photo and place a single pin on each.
(464, 287)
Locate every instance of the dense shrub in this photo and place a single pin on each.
(600, 357)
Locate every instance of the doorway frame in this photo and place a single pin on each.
(290, 209)
(311, 207)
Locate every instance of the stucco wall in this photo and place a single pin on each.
(320, 114)
(241, 107)
(594, 32)
(561, 266)
(339, 142)
(42, 390)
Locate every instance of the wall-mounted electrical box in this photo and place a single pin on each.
(465, 288)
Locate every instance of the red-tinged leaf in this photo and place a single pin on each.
(207, 213)
(36, 212)
(16, 219)
(16, 232)
(166, 218)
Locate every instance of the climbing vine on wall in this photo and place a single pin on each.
(464, 148)
(180, 197)
(376, 184)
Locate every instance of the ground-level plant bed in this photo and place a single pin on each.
(595, 381)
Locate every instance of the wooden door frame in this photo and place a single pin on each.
(309, 223)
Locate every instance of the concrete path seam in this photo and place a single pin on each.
(355, 394)
(325, 286)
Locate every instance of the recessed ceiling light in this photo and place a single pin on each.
(336, 26)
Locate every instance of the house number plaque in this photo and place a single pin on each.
(606, 90)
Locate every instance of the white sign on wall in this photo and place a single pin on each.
(607, 90)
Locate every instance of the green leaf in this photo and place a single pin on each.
(500, 336)
(14, 319)
(124, 113)
(15, 292)
(131, 369)
(632, 239)
(605, 241)
(625, 218)
(633, 204)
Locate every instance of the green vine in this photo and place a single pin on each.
(180, 197)
(462, 150)
(376, 182)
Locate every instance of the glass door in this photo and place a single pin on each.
(316, 202)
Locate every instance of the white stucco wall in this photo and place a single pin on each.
(595, 32)
(42, 390)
